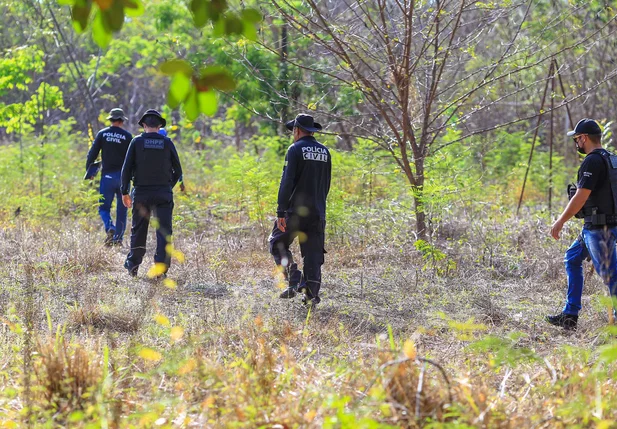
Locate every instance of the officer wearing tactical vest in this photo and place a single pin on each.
(301, 210)
(153, 165)
(595, 201)
(113, 141)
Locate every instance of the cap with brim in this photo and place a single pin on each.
(116, 115)
(306, 122)
(152, 112)
(586, 126)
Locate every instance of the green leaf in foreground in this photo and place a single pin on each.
(216, 77)
(175, 66)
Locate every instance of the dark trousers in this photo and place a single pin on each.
(311, 235)
(159, 204)
(110, 188)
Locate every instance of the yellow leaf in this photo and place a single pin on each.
(157, 269)
(309, 416)
(171, 284)
(149, 354)
(188, 367)
(178, 256)
(161, 320)
(198, 139)
(174, 127)
(409, 349)
(176, 333)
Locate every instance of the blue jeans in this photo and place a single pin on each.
(599, 244)
(110, 187)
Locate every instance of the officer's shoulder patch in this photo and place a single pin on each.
(154, 143)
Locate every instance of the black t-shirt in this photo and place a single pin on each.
(593, 175)
(114, 142)
(306, 179)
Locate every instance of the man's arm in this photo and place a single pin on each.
(574, 206)
(287, 182)
(127, 168)
(94, 150)
(175, 165)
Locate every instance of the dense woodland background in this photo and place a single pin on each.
(439, 114)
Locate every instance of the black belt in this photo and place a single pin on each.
(609, 220)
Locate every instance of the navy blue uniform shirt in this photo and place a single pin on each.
(306, 179)
(114, 142)
(152, 163)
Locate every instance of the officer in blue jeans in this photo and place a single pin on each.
(113, 141)
(153, 165)
(595, 201)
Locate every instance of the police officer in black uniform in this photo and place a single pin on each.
(595, 201)
(301, 209)
(113, 141)
(153, 165)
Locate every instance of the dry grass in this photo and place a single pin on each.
(221, 350)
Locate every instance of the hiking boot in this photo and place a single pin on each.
(109, 240)
(132, 270)
(310, 303)
(563, 320)
(290, 292)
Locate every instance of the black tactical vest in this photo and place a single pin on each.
(152, 160)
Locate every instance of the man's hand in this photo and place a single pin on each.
(127, 201)
(556, 229)
(281, 223)
(182, 187)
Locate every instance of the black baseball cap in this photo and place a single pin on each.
(586, 126)
(306, 122)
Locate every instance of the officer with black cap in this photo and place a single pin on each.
(153, 165)
(595, 201)
(113, 141)
(301, 209)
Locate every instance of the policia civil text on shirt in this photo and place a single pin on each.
(113, 142)
(152, 163)
(595, 201)
(301, 210)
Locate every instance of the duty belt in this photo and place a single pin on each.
(609, 219)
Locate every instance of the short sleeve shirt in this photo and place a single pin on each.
(592, 173)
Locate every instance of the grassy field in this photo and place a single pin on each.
(447, 335)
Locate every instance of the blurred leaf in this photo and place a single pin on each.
(133, 8)
(409, 349)
(608, 353)
(104, 4)
(208, 104)
(250, 32)
(171, 284)
(180, 86)
(80, 14)
(172, 67)
(66, 2)
(216, 77)
(233, 25)
(171, 101)
(100, 34)
(176, 333)
(199, 9)
(251, 15)
(113, 17)
(161, 320)
(191, 105)
(157, 269)
(149, 354)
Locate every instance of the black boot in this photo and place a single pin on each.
(563, 320)
(295, 277)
